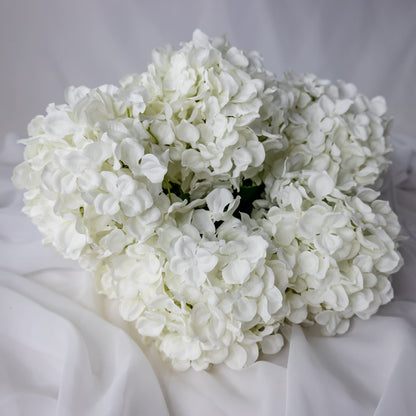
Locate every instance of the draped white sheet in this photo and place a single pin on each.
(63, 348)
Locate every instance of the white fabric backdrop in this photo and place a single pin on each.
(63, 348)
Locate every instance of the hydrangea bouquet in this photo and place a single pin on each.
(216, 202)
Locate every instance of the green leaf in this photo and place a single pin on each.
(249, 192)
(174, 188)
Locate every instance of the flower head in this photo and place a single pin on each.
(216, 202)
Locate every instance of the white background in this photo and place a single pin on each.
(61, 347)
(46, 45)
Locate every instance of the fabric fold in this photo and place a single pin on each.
(59, 358)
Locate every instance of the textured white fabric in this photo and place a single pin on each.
(63, 348)
(58, 358)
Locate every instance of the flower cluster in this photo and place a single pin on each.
(216, 202)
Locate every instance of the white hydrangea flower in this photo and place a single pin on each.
(204, 98)
(217, 203)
